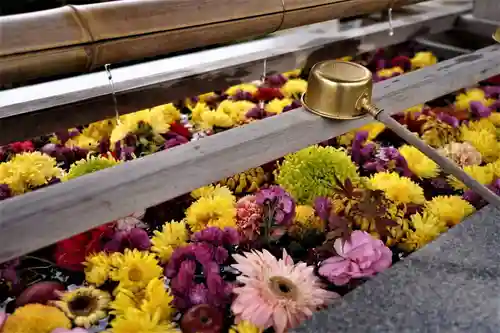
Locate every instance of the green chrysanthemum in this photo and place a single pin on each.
(89, 165)
(314, 172)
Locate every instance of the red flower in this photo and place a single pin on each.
(268, 94)
(71, 253)
(494, 80)
(401, 61)
(22, 146)
(180, 129)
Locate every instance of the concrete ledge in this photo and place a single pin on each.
(451, 285)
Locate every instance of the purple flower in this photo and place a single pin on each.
(323, 207)
(388, 159)
(476, 200)
(295, 104)
(448, 119)
(217, 237)
(280, 205)
(135, 238)
(257, 112)
(276, 80)
(492, 91)
(242, 96)
(8, 271)
(174, 139)
(480, 110)
(5, 192)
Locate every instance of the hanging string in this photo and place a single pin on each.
(107, 68)
(391, 27)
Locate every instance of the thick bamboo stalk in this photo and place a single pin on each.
(82, 38)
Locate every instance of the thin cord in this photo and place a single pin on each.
(391, 28)
(107, 68)
(282, 16)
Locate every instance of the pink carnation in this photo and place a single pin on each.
(248, 217)
(360, 256)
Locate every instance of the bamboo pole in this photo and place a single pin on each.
(76, 39)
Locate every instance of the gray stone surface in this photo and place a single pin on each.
(451, 285)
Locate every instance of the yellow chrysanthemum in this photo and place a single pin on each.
(463, 100)
(173, 235)
(129, 123)
(97, 268)
(305, 219)
(206, 97)
(426, 228)
(197, 112)
(294, 88)
(245, 87)
(389, 72)
(245, 327)
(293, 73)
(212, 119)
(158, 300)
(483, 174)
(423, 59)
(236, 110)
(277, 105)
(373, 129)
(155, 299)
(396, 188)
(449, 209)
(211, 191)
(137, 321)
(495, 168)
(90, 165)
(484, 141)
(246, 182)
(100, 129)
(28, 170)
(85, 305)
(36, 318)
(134, 269)
(212, 211)
(170, 113)
(481, 124)
(495, 118)
(418, 163)
(82, 141)
(415, 109)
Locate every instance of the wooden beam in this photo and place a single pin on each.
(63, 104)
(487, 10)
(40, 218)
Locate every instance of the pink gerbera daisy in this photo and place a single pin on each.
(276, 292)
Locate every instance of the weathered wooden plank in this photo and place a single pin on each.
(40, 218)
(80, 100)
(487, 9)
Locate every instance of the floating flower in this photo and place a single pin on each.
(483, 174)
(276, 293)
(294, 88)
(280, 205)
(484, 141)
(423, 59)
(74, 330)
(36, 318)
(248, 217)
(28, 171)
(89, 165)
(97, 268)
(130, 123)
(245, 87)
(276, 106)
(202, 318)
(41, 293)
(236, 110)
(387, 73)
(135, 238)
(306, 219)
(463, 154)
(173, 235)
(245, 327)
(426, 228)
(82, 141)
(135, 321)
(246, 182)
(85, 305)
(421, 165)
(212, 211)
(396, 188)
(314, 172)
(449, 209)
(360, 256)
(134, 269)
(463, 101)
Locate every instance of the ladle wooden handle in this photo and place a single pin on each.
(446, 164)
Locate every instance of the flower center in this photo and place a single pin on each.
(283, 287)
(83, 305)
(134, 274)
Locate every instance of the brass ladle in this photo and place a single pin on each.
(343, 90)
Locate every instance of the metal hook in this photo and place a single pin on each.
(107, 68)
